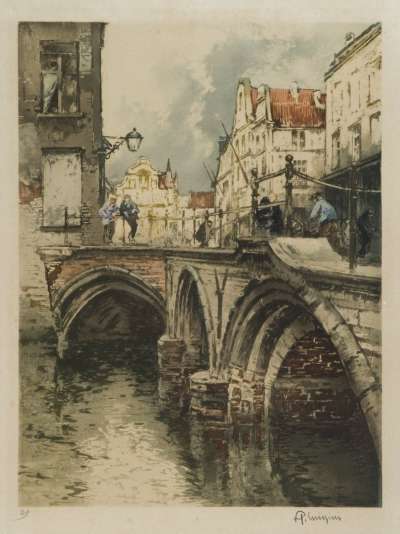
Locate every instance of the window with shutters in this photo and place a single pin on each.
(62, 185)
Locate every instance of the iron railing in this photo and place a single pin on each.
(229, 225)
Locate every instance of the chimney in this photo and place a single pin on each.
(317, 100)
(350, 36)
(294, 90)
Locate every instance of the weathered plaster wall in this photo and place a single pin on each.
(38, 131)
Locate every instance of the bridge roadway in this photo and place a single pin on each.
(242, 323)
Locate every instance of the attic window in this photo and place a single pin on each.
(59, 77)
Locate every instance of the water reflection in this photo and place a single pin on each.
(93, 432)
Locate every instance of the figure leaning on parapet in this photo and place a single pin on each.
(325, 215)
(108, 213)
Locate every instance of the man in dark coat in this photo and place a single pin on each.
(269, 218)
(129, 211)
(203, 233)
(365, 232)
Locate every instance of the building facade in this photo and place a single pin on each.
(268, 124)
(353, 122)
(61, 165)
(166, 217)
(156, 194)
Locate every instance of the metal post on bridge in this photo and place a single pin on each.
(123, 230)
(166, 226)
(254, 203)
(66, 242)
(183, 226)
(150, 218)
(220, 215)
(289, 168)
(353, 217)
(237, 226)
(194, 226)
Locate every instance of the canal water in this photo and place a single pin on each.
(93, 432)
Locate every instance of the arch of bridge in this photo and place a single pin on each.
(82, 289)
(270, 317)
(189, 280)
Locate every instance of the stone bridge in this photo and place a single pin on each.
(278, 323)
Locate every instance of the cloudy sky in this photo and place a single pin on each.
(174, 81)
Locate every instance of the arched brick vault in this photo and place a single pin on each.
(186, 278)
(71, 299)
(271, 316)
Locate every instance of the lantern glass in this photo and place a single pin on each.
(134, 140)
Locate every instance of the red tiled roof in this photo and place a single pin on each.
(201, 199)
(287, 112)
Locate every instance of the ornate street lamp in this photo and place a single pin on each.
(111, 144)
(133, 140)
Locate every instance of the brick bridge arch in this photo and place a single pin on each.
(192, 311)
(269, 318)
(82, 289)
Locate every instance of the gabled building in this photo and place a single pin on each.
(268, 124)
(149, 187)
(353, 120)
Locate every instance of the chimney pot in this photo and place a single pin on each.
(294, 90)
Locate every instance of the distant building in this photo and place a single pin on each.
(61, 169)
(161, 206)
(268, 124)
(353, 120)
(201, 200)
(155, 192)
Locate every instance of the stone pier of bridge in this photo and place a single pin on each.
(278, 325)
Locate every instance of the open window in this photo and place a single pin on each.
(59, 64)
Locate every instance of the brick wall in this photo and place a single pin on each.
(313, 356)
(35, 315)
(147, 267)
(311, 383)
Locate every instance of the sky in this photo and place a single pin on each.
(176, 80)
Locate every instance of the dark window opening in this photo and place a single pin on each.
(60, 77)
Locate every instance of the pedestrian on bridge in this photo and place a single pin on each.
(365, 225)
(108, 214)
(129, 212)
(204, 233)
(325, 214)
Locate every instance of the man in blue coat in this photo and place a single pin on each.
(325, 214)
